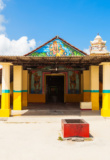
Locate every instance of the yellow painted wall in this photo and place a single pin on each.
(25, 99)
(86, 86)
(25, 81)
(73, 97)
(86, 80)
(86, 96)
(41, 98)
(38, 98)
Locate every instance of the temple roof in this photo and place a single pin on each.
(56, 47)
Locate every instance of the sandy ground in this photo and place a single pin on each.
(35, 138)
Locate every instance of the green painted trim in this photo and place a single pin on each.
(106, 91)
(94, 91)
(86, 90)
(20, 91)
(24, 90)
(6, 91)
(17, 91)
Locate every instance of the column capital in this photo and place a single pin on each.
(94, 65)
(5, 63)
(104, 63)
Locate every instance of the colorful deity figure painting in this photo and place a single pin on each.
(73, 87)
(36, 82)
(55, 48)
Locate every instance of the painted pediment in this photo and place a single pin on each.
(55, 48)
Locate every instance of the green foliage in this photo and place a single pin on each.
(36, 54)
(60, 138)
(77, 53)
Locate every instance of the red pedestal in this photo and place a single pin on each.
(74, 128)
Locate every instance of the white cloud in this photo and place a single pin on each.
(2, 5)
(16, 47)
(13, 47)
(87, 51)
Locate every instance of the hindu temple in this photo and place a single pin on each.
(57, 72)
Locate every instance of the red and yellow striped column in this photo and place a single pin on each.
(5, 110)
(25, 88)
(105, 111)
(17, 87)
(94, 87)
(86, 86)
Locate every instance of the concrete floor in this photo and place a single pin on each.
(50, 109)
(30, 136)
(53, 106)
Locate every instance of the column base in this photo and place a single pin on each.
(5, 112)
(105, 113)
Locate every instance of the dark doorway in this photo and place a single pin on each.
(54, 89)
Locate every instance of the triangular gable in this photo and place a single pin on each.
(56, 47)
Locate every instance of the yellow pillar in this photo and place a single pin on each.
(5, 110)
(86, 86)
(105, 111)
(25, 88)
(17, 87)
(94, 87)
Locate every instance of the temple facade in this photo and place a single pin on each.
(57, 72)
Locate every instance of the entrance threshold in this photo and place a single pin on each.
(54, 106)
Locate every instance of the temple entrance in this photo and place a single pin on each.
(54, 89)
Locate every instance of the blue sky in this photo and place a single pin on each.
(76, 21)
